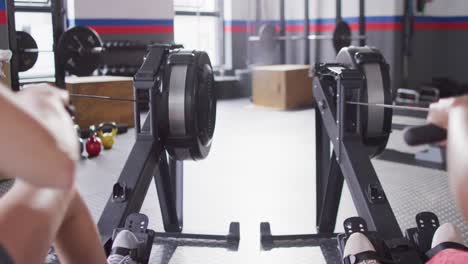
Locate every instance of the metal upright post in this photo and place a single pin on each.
(322, 146)
(169, 187)
(332, 189)
(14, 63)
(283, 30)
(338, 11)
(306, 32)
(362, 22)
(258, 13)
(408, 20)
(59, 24)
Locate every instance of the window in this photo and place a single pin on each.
(35, 18)
(198, 25)
(29, 2)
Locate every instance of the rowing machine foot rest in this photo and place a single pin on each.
(358, 225)
(421, 236)
(138, 225)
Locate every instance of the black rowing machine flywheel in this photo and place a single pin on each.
(375, 123)
(188, 115)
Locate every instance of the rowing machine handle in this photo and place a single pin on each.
(427, 134)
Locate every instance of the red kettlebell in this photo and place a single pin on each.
(93, 146)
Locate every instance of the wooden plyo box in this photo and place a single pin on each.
(91, 111)
(7, 80)
(282, 86)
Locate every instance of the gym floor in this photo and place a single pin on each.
(262, 168)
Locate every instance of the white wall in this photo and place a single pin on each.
(270, 9)
(123, 9)
(294, 10)
(327, 8)
(447, 8)
(239, 9)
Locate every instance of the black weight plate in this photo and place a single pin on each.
(196, 104)
(206, 105)
(375, 124)
(341, 36)
(77, 51)
(26, 60)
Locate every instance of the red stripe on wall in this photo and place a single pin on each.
(133, 29)
(377, 26)
(295, 28)
(389, 26)
(322, 28)
(3, 17)
(238, 28)
(441, 26)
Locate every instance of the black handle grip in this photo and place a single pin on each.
(427, 134)
(71, 110)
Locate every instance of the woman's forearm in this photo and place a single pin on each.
(457, 155)
(29, 151)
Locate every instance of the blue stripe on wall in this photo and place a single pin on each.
(121, 22)
(441, 19)
(371, 19)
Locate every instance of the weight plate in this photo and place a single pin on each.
(206, 105)
(79, 52)
(341, 36)
(27, 58)
(268, 41)
(374, 122)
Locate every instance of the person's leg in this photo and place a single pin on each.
(446, 233)
(31, 218)
(447, 246)
(77, 239)
(124, 242)
(357, 244)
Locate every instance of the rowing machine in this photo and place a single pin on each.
(180, 126)
(347, 137)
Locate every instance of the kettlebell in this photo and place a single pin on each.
(107, 138)
(93, 146)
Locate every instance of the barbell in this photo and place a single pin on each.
(341, 36)
(79, 50)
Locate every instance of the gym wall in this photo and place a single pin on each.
(440, 42)
(143, 20)
(383, 25)
(239, 16)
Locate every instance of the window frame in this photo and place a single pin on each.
(55, 8)
(219, 14)
(28, 6)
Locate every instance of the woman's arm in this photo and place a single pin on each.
(452, 114)
(37, 137)
(457, 155)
